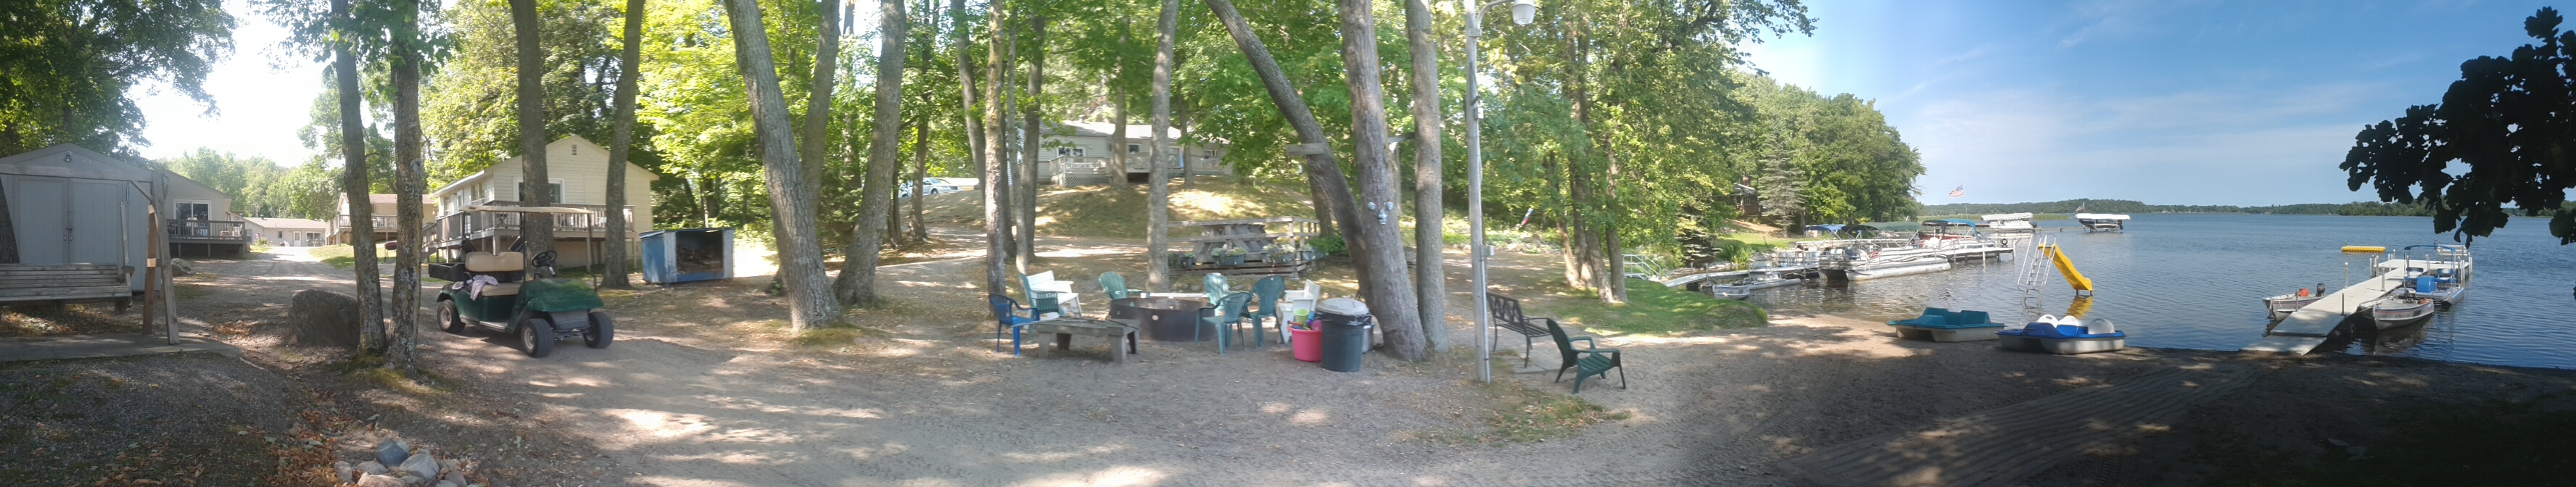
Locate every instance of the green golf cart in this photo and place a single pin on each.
(509, 292)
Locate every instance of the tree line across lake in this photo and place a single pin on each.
(2357, 208)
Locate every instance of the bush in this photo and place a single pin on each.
(1328, 244)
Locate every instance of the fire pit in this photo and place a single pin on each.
(1166, 319)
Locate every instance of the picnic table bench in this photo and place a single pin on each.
(1066, 327)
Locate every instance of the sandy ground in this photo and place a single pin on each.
(701, 391)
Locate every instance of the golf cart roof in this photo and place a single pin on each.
(528, 209)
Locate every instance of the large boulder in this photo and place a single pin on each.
(324, 318)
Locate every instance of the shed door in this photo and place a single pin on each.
(98, 221)
(42, 220)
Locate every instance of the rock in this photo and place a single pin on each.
(422, 464)
(379, 481)
(392, 452)
(456, 476)
(444, 483)
(370, 467)
(182, 267)
(447, 465)
(324, 318)
(343, 472)
(409, 479)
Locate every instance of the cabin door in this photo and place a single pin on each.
(98, 219)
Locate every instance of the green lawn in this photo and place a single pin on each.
(337, 255)
(1655, 309)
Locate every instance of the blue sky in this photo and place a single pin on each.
(2163, 101)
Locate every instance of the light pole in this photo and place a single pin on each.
(1523, 11)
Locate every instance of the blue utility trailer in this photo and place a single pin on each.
(696, 254)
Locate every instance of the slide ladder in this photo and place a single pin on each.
(2083, 286)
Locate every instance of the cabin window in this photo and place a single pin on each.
(193, 210)
(1135, 148)
(554, 191)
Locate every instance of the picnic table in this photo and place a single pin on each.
(1065, 328)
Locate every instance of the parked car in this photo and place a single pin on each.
(929, 186)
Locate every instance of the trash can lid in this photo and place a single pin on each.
(1343, 306)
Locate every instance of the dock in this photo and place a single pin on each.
(2310, 326)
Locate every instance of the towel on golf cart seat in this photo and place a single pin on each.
(474, 287)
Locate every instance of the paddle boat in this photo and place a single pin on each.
(1942, 325)
(2399, 309)
(2064, 336)
(2283, 305)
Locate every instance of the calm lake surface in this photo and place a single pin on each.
(2197, 281)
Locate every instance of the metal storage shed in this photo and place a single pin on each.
(696, 254)
(70, 205)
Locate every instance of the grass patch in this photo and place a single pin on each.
(1655, 309)
(1518, 413)
(370, 368)
(340, 256)
(2496, 442)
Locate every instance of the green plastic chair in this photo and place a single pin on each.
(1039, 302)
(1591, 361)
(1214, 285)
(1265, 306)
(1116, 286)
(1228, 318)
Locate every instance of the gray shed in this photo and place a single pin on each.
(69, 205)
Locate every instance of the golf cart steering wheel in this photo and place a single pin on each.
(544, 260)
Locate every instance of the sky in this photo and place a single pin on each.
(2161, 101)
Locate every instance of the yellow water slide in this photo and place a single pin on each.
(2083, 286)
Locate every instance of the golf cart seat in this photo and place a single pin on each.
(506, 267)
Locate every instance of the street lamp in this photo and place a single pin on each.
(1523, 11)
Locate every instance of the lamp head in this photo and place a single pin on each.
(1524, 11)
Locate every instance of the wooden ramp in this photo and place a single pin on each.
(2004, 445)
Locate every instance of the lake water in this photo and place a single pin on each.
(2197, 281)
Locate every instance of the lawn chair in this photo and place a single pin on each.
(1265, 306)
(1505, 312)
(1116, 286)
(1227, 320)
(1045, 294)
(1590, 361)
(1214, 286)
(1006, 318)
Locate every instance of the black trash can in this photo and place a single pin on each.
(1346, 325)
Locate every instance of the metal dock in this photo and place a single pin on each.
(2309, 327)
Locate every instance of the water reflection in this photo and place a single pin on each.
(2197, 281)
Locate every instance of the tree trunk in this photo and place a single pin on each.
(1158, 184)
(812, 139)
(1430, 277)
(1117, 133)
(537, 230)
(809, 298)
(1389, 291)
(859, 272)
(408, 185)
(921, 168)
(1032, 141)
(353, 181)
(1614, 280)
(966, 121)
(997, 167)
(630, 60)
(1320, 166)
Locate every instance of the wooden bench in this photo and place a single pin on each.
(1065, 328)
(1506, 312)
(64, 283)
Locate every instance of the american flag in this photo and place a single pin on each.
(1961, 191)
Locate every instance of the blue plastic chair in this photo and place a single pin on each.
(1004, 318)
(1227, 320)
(1265, 306)
(1116, 286)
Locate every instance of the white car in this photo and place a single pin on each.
(930, 186)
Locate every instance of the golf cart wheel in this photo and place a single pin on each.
(602, 330)
(538, 336)
(447, 318)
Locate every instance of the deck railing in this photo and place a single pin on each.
(206, 230)
(465, 225)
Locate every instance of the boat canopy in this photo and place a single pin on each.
(2101, 216)
(2007, 217)
(1828, 228)
(2449, 247)
(1951, 222)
